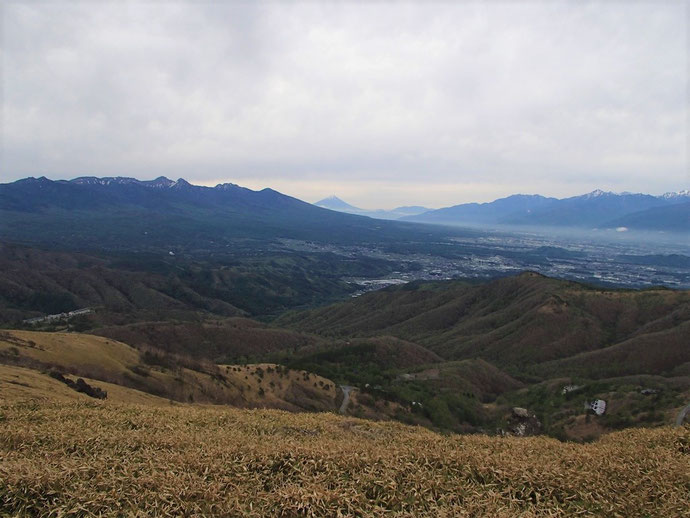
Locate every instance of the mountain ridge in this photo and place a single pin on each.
(596, 209)
(112, 212)
(523, 320)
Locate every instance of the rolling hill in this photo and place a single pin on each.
(216, 340)
(174, 434)
(165, 375)
(514, 342)
(450, 355)
(514, 322)
(134, 287)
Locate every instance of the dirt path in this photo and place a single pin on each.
(346, 397)
(681, 416)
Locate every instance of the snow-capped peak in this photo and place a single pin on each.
(181, 183)
(160, 183)
(685, 193)
(596, 193)
(226, 186)
(107, 180)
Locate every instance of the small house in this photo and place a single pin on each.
(598, 406)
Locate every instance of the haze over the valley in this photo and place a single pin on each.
(384, 105)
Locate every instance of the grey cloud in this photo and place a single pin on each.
(566, 96)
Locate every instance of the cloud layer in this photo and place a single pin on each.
(382, 103)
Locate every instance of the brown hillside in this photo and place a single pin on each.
(399, 354)
(516, 321)
(167, 376)
(651, 353)
(22, 384)
(388, 352)
(476, 376)
(58, 282)
(216, 340)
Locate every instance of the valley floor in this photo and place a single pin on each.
(63, 457)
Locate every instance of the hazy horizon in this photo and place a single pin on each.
(341, 198)
(382, 105)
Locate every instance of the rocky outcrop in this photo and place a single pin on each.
(80, 386)
(523, 423)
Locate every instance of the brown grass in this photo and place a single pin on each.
(111, 363)
(21, 384)
(100, 458)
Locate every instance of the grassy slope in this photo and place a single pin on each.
(22, 384)
(105, 360)
(111, 459)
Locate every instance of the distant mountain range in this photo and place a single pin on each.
(335, 203)
(127, 214)
(597, 209)
(119, 213)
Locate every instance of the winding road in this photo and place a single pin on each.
(346, 397)
(681, 416)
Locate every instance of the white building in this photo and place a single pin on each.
(598, 406)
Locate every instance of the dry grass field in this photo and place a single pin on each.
(21, 384)
(116, 366)
(95, 458)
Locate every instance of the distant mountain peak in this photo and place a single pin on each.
(160, 182)
(333, 199)
(597, 193)
(181, 183)
(226, 186)
(334, 203)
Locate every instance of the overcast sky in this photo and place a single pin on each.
(382, 104)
